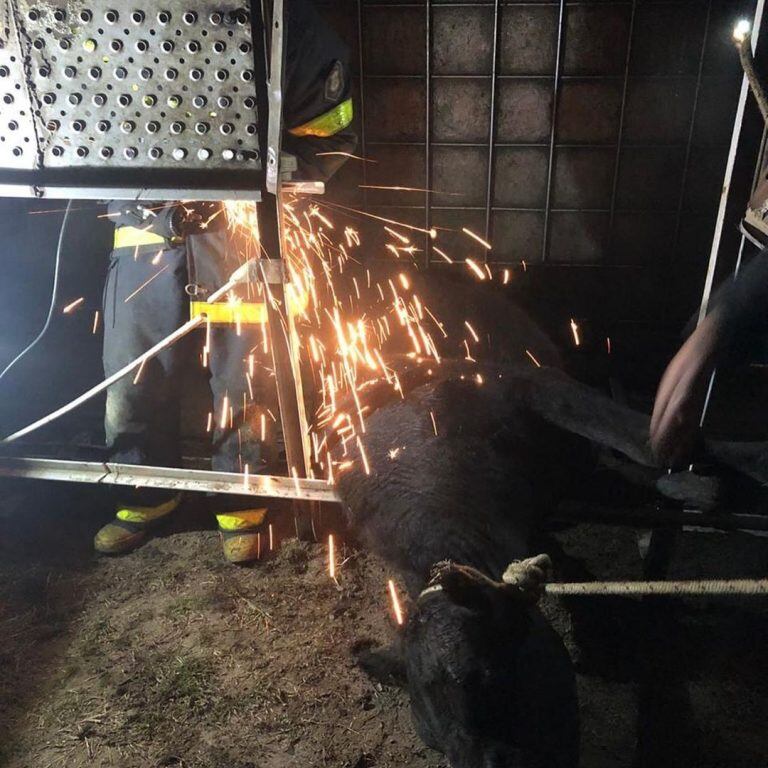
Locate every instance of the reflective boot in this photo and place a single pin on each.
(243, 534)
(131, 527)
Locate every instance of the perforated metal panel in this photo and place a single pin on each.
(102, 93)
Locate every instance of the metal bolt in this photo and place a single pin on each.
(85, 16)
(227, 129)
(204, 154)
(153, 126)
(202, 128)
(189, 17)
(33, 14)
(163, 17)
(145, 73)
(155, 153)
(48, 98)
(177, 127)
(179, 153)
(149, 100)
(69, 72)
(130, 153)
(250, 129)
(196, 74)
(99, 99)
(39, 44)
(59, 14)
(244, 47)
(121, 73)
(4, 71)
(52, 126)
(174, 101)
(94, 73)
(247, 75)
(124, 99)
(127, 126)
(167, 46)
(215, 18)
(82, 151)
(193, 46)
(116, 45)
(44, 71)
(111, 16)
(8, 98)
(106, 152)
(171, 73)
(224, 102)
(142, 46)
(65, 43)
(137, 17)
(13, 125)
(74, 98)
(199, 101)
(219, 47)
(57, 151)
(78, 126)
(228, 154)
(249, 102)
(102, 126)
(221, 75)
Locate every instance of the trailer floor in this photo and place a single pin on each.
(170, 657)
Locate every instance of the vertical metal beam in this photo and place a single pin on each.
(428, 133)
(620, 136)
(691, 128)
(492, 126)
(553, 131)
(281, 333)
(361, 106)
(726, 188)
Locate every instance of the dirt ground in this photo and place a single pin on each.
(170, 657)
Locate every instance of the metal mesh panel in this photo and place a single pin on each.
(143, 89)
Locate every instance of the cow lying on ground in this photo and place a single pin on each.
(490, 681)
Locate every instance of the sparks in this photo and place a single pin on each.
(475, 268)
(575, 332)
(331, 557)
(608, 344)
(434, 423)
(472, 331)
(363, 457)
(95, 321)
(479, 239)
(535, 361)
(395, 602)
(146, 283)
(271, 538)
(73, 305)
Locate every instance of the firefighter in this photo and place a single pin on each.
(183, 251)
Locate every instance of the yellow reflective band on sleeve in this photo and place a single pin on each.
(130, 237)
(147, 514)
(247, 519)
(245, 313)
(327, 124)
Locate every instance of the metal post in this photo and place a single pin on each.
(361, 106)
(428, 135)
(492, 126)
(281, 333)
(553, 131)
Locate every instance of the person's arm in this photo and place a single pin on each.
(738, 316)
(169, 220)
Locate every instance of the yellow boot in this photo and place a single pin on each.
(243, 534)
(131, 527)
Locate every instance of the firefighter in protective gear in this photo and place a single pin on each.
(178, 251)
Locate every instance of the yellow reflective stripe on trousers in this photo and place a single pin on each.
(246, 519)
(246, 313)
(130, 237)
(327, 124)
(147, 514)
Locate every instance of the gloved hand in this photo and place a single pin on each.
(198, 217)
(681, 393)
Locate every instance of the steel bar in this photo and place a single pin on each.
(492, 123)
(622, 114)
(361, 106)
(170, 478)
(691, 127)
(726, 188)
(553, 129)
(428, 134)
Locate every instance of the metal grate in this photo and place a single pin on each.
(141, 88)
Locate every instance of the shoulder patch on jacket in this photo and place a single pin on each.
(334, 82)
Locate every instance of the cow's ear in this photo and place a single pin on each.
(384, 664)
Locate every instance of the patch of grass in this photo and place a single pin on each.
(187, 604)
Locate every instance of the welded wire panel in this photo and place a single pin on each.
(99, 94)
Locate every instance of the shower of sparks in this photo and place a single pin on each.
(398, 611)
(535, 361)
(72, 306)
(145, 283)
(475, 268)
(331, 557)
(575, 332)
(479, 239)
